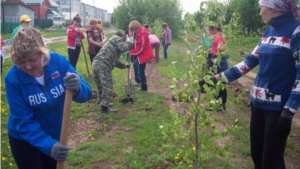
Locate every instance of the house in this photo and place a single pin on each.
(12, 10)
(54, 14)
(40, 8)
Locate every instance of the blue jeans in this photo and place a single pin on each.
(28, 157)
(136, 71)
(165, 48)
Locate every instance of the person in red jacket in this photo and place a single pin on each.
(74, 40)
(142, 49)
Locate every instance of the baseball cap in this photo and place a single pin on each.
(25, 18)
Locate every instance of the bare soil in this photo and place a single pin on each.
(80, 130)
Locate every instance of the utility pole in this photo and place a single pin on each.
(70, 11)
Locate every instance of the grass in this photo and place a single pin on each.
(132, 138)
(45, 34)
(56, 33)
(5, 36)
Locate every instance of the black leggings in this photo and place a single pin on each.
(267, 143)
(29, 157)
(74, 55)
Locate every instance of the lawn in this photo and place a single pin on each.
(132, 138)
(45, 33)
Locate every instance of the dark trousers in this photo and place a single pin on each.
(93, 55)
(223, 95)
(165, 48)
(74, 55)
(29, 157)
(143, 81)
(267, 143)
(136, 69)
(156, 47)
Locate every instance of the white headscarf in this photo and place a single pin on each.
(281, 5)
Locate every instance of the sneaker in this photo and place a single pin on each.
(138, 84)
(144, 88)
(107, 110)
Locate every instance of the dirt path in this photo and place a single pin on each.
(63, 39)
(160, 85)
(245, 82)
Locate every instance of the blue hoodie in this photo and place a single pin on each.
(277, 82)
(36, 111)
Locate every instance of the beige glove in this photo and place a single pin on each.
(130, 40)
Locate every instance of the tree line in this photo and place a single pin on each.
(154, 12)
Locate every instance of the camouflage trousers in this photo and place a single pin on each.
(104, 81)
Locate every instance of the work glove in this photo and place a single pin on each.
(285, 121)
(130, 40)
(59, 152)
(202, 82)
(128, 65)
(72, 82)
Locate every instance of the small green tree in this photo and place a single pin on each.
(192, 133)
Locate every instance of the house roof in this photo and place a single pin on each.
(16, 3)
(33, 1)
(51, 11)
(53, 4)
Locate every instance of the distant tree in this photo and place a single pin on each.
(169, 11)
(249, 14)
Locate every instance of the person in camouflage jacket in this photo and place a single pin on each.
(103, 64)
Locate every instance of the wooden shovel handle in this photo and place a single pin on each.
(65, 123)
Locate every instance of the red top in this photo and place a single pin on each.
(142, 48)
(72, 33)
(218, 41)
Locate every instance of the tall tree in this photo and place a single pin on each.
(249, 13)
(169, 11)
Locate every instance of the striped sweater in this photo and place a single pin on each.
(278, 56)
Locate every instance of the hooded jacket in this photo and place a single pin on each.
(142, 47)
(36, 111)
(72, 33)
(278, 54)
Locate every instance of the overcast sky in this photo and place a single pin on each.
(187, 5)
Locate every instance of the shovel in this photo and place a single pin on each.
(129, 87)
(65, 124)
(86, 63)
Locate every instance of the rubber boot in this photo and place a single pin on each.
(105, 109)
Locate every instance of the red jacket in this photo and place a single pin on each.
(142, 47)
(72, 33)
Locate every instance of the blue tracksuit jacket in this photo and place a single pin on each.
(277, 82)
(36, 111)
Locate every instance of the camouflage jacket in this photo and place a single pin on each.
(110, 53)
